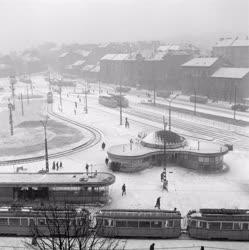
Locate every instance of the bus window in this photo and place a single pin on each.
(121, 223)
(237, 226)
(144, 224)
(14, 221)
(214, 225)
(132, 224)
(3, 221)
(24, 221)
(245, 226)
(156, 224)
(227, 226)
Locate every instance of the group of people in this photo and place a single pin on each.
(57, 165)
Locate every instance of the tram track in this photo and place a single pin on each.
(96, 137)
(219, 135)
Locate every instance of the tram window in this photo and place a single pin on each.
(214, 225)
(227, 226)
(24, 222)
(14, 221)
(203, 224)
(121, 223)
(3, 221)
(170, 223)
(193, 223)
(31, 221)
(132, 223)
(41, 221)
(237, 226)
(144, 224)
(245, 226)
(108, 223)
(156, 224)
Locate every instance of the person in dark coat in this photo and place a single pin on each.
(87, 167)
(53, 167)
(103, 146)
(57, 165)
(152, 246)
(123, 190)
(158, 203)
(60, 164)
(106, 161)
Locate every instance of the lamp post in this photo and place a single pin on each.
(120, 106)
(235, 100)
(10, 106)
(86, 108)
(195, 102)
(170, 101)
(44, 124)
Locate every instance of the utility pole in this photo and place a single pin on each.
(28, 94)
(22, 105)
(120, 106)
(86, 108)
(44, 124)
(60, 98)
(12, 82)
(99, 87)
(10, 106)
(154, 93)
(235, 97)
(31, 86)
(195, 102)
(170, 115)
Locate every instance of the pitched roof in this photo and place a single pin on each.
(78, 63)
(88, 67)
(201, 62)
(234, 73)
(229, 42)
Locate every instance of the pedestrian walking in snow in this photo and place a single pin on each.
(60, 164)
(87, 168)
(106, 161)
(103, 146)
(53, 167)
(152, 246)
(127, 125)
(158, 203)
(123, 190)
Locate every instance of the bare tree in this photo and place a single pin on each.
(68, 229)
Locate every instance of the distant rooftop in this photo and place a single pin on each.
(88, 67)
(230, 42)
(234, 73)
(201, 62)
(78, 63)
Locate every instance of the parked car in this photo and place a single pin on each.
(240, 107)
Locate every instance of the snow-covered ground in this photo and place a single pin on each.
(187, 189)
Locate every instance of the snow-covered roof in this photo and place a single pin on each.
(88, 67)
(83, 53)
(201, 62)
(63, 54)
(78, 63)
(164, 48)
(95, 69)
(234, 73)
(229, 42)
(116, 57)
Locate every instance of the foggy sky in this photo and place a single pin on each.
(25, 23)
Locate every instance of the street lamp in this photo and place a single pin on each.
(44, 124)
(170, 101)
(235, 100)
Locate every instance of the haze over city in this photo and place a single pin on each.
(26, 23)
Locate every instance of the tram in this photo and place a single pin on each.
(219, 224)
(198, 99)
(120, 100)
(28, 221)
(108, 101)
(50, 97)
(139, 223)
